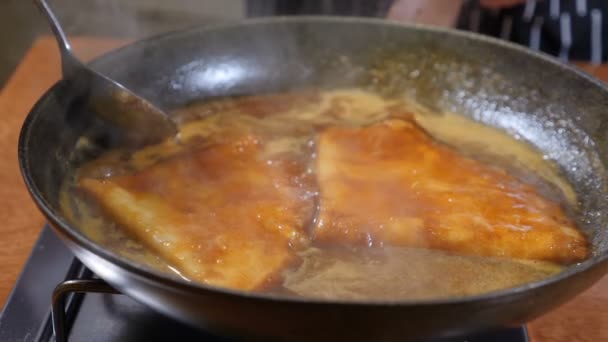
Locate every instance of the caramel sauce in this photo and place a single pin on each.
(255, 175)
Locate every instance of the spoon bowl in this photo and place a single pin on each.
(137, 119)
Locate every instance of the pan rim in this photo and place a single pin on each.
(143, 272)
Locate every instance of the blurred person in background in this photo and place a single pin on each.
(568, 29)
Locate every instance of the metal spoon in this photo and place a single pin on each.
(138, 119)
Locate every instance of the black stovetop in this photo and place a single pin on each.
(107, 317)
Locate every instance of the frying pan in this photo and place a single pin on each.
(550, 105)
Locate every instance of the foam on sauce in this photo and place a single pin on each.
(289, 121)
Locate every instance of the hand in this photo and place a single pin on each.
(432, 12)
(496, 4)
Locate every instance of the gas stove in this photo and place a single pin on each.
(87, 309)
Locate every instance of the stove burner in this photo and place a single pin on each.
(85, 308)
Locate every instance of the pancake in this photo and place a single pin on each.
(392, 183)
(220, 214)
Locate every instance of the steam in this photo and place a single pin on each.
(138, 19)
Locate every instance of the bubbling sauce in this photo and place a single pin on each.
(262, 211)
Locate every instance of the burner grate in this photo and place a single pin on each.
(67, 298)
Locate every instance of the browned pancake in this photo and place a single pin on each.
(220, 214)
(391, 183)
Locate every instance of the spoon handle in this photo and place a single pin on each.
(69, 62)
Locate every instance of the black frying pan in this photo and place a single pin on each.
(554, 107)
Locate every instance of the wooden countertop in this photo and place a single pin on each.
(20, 220)
(583, 319)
